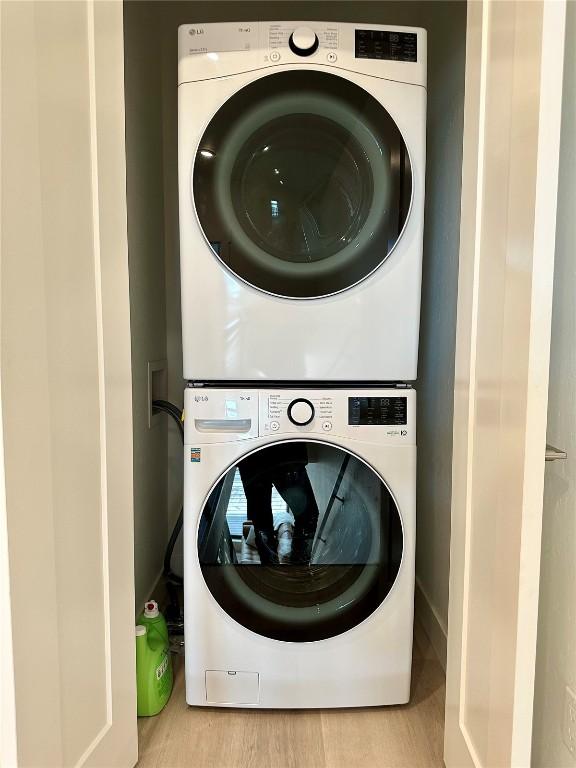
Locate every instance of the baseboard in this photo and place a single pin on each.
(431, 623)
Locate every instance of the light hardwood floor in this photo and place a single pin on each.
(409, 736)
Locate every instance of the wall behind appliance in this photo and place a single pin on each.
(446, 25)
(146, 254)
(556, 657)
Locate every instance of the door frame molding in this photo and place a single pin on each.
(545, 32)
(66, 385)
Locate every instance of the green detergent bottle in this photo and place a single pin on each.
(153, 661)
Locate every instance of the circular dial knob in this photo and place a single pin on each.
(303, 41)
(300, 412)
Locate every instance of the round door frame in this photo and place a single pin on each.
(234, 464)
(223, 264)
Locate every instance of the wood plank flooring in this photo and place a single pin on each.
(409, 736)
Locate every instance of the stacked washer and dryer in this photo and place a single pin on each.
(301, 177)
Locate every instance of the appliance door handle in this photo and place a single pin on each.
(235, 426)
(553, 454)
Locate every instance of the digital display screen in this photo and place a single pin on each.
(381, 44)
(380, 411)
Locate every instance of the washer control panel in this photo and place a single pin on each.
(301, 412)
(294, 411)
(214, 415)
(378, 411)
(220, 415)
(383, 415)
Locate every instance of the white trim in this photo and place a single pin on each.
(100, 345)
(484, 62)
(432, 623)
(8, 742)
(91, 43)
(545, 211)
(8, 739)
(511, 83)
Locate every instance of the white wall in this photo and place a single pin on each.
(556, 657)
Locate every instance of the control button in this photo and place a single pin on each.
(303, 41)
(275, 56)
(301, 412)
(274, 426)
(327, 426)
(331, 58)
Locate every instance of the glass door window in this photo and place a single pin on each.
(302, 184)
(300, 541)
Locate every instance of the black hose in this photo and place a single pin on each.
(176, 414)
(172, 410)
(168, 572)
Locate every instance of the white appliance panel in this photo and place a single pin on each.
(368, 665)
(233, 331)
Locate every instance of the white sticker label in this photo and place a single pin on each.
(161, 668)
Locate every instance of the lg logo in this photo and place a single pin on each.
(403, 432)
(198, 31)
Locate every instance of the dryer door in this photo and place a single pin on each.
(300, 541)
(302, 184)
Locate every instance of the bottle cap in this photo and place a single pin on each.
(140, 630)
(151, 609)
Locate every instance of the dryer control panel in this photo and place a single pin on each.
(393, 52)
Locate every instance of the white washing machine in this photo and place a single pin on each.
(299, 537)
(301, 175)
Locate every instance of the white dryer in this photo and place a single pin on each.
(301, 182)
(318, 612)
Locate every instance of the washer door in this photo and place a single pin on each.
(300, 541)
(302, 184)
